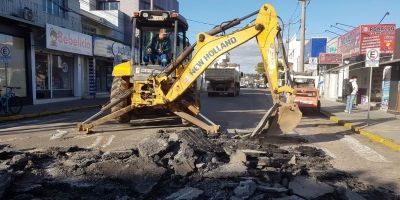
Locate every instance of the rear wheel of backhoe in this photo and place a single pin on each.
(120, 85)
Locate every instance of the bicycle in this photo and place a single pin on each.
(9, 102)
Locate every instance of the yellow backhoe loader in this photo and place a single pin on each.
(171, 88)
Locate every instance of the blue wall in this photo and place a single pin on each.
(314, 47)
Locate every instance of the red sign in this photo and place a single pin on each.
(330, 58)
(355, 42)
(381, 36)
(349, 43)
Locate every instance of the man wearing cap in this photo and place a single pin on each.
(158, 49)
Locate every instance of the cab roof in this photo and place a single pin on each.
(160, 18)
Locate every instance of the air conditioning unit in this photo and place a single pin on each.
(27, 14)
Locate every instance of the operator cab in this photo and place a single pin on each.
(155, 52)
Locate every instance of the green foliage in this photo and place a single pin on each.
(260, 68)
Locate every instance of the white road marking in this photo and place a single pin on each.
(329, 153)
(109, 141)
(362, 150)
(96, 142)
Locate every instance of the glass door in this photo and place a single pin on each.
(42, 76)
(62, 80)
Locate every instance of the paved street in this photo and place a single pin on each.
(371, 162)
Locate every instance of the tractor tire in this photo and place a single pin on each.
(119, 87)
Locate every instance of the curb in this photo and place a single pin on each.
(372, 136)
(46, 113)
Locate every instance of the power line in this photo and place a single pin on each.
(294, 12)
(201, 22)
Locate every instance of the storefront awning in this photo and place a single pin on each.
(390, 62)
(363, 61)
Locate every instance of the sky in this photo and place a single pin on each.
(202, 15)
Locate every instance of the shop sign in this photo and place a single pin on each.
(381, 36)
(372, 57)
(330, 58)
(313, 64)
(66, 40)
(349, 43)
(355, 42)
(110, 49)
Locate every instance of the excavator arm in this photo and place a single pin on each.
(208, 48)
(165, 92)
(283, 116)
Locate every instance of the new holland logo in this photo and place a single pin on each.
(212, 54)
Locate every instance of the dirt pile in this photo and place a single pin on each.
(182, 165)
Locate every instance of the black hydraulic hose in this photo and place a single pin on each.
(171, 67)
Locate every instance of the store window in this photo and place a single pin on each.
(54, 76)
(57, 8)
(108, 5)
(13, 70)
(103, 75)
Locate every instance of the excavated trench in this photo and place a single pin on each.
(179, 165)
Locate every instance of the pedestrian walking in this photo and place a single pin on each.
(350, 90)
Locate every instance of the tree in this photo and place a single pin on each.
(261, 71)
(260, 68)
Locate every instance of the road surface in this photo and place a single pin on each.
(371, 162)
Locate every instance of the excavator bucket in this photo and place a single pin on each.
(287, 118)
(281, 118)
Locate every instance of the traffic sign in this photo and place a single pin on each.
(372, 57)
(5, 51)
(5, 54)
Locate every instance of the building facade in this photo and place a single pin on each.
(60, 50)
(294, 53)
(352, 47)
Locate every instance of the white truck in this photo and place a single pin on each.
(223, 80)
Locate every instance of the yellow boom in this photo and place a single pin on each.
(162, 91)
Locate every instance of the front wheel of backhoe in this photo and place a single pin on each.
(120, 85)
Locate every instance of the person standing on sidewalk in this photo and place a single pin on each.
(351, 90)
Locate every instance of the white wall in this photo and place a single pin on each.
(294, 53)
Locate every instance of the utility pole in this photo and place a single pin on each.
(151, 5)
(303, 33)
(288, 39)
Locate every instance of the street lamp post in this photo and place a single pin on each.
(386, 14)
(339, 28)
(346, 25)
(333, 32)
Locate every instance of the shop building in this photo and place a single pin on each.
(109, 23)
(391, 80)
(352, 46)
(23, 31)
(54, 45)
(59, 62)
(106, 54)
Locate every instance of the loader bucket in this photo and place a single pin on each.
(281, 118)
(286, 119)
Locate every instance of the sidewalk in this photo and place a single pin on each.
(31, 111)
(383, 127)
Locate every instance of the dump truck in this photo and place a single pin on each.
(223, 81)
